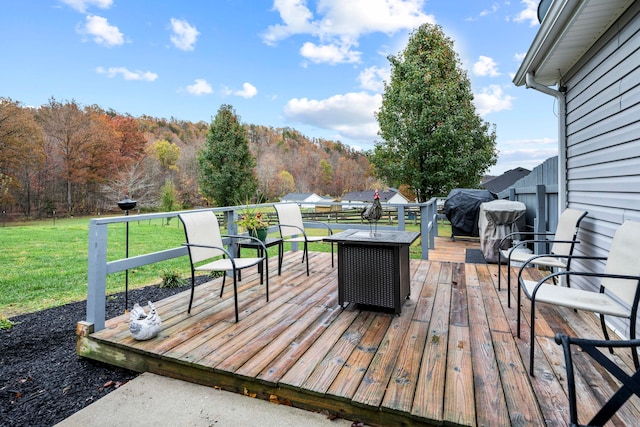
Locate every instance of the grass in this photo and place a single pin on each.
(44, 264)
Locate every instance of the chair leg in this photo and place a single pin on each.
(605, 332)
(519, 316)
(306, 252)
(532, 337)
(262, 271)
(224, 277)
(634, 354)
(266, 264)
(193, 288)
(331, 254)
(632, 336)
(235, 294)
(499, 265)
(571, 385)
(509, 282)
(262, 255)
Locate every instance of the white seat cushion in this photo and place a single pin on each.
(546, 261)
(226, 265)
(309, 239)
(578, 299)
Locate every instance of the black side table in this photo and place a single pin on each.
(252, 244)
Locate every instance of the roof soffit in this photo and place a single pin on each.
(568, 30)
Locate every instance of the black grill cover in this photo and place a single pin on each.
(462, 209)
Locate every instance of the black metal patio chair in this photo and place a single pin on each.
(292, 229)
(630, 384)
(618, 294)
(204, 242)
(562, 243)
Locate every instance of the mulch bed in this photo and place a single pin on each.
(42, 380)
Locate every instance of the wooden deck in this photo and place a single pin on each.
(451, 357)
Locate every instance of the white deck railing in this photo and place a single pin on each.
(99, 267)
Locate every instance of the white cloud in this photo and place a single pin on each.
(82, 5)
(372, 78)
(351, 114)
(339, 24)
(518, 57)
(485, 66)
(492, 99)
(112, 72)
(184, 35)
(296, 17)
(494, 9)
(200, 87)
(329, 53)
(103, 33)
(357, 17)
(486, 12)
(248, 91)
(529, 13)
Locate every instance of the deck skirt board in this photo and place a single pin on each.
(451, 357)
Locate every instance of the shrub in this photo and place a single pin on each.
(5, 323)
(172, 279)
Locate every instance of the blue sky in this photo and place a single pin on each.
(316, 66)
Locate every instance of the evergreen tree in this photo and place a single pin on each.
(433, 140)
(225, 162)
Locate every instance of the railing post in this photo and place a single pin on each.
(401, 225)
(433, 224)
(541, 216)
(232, 228)
(97, 275)
(424, 230)
(435, 217)
(231, 217)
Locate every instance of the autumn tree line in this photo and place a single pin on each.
(81, 160)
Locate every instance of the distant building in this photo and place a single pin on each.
(504, 181)
(305, 200)
(327, 206)
(358, 198)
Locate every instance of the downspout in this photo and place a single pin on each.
(562, 137)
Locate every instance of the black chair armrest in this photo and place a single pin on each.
(320, 222)
(577, 273)
(226, 252)
(293, 226)
(239, 237)
(520, 233)
(534, 257)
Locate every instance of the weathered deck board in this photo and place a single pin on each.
(429, 399)
(491, 407)
(450, 358)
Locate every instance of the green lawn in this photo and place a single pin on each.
(45, 264)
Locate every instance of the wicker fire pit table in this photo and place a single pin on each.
(373, 267)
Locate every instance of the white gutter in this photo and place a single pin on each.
(562, 135)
